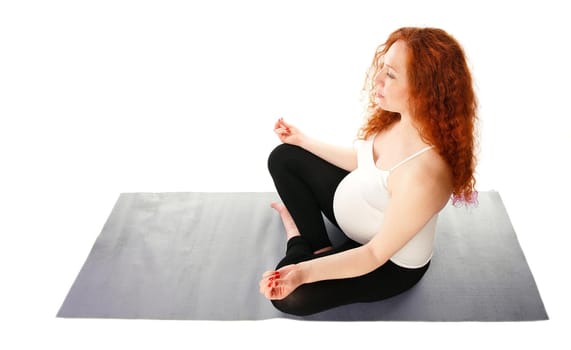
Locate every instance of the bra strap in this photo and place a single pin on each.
(411, 157)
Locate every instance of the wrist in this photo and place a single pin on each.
(305, 142)
(303, 272)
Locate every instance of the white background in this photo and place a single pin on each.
(103, 97)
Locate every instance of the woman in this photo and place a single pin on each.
(416, 153)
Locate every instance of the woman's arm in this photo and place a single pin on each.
(413, 203)
(343, 157)
(415, 198)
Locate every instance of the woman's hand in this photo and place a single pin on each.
(288, 133)
(279, 284)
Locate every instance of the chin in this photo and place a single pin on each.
(382, 105)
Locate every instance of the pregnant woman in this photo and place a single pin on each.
(415, 153)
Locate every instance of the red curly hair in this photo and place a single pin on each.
(442, 101)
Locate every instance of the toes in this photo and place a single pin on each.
(278, 206)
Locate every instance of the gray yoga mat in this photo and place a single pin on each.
(199, 256)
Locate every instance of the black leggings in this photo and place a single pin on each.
(306, 184)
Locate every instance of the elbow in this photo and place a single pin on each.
(376, 257)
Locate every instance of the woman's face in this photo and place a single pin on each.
(392, 80)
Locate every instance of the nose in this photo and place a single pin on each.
(380, 77)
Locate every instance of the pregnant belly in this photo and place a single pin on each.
(358, 219)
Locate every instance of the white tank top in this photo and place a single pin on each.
(361, 200)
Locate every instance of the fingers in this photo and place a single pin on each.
(278, 123)
(281, 127)
(278, 284)
(270, 273)
(269, 284)
(276, 291)
(282, 131)
(282, 122)
(268, 279)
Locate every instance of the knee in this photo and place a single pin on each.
(292, 306)
(303, 301)
(280, 156)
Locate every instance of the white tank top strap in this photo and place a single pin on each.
(411, 157)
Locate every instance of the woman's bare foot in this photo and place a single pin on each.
(323, 250)
(289, 225)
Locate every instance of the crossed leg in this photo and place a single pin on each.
(290, 227)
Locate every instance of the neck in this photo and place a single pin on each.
(407, 129)
(406, 117)
(406, 122)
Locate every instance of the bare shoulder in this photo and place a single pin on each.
(428, 179)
